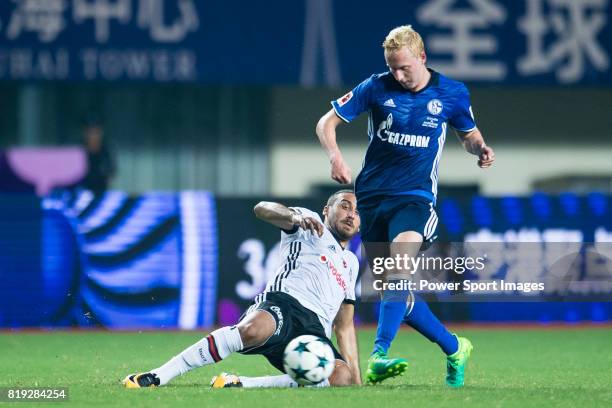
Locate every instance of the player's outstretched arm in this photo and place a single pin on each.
(326, 132)
(286, 218)
(344, 328)
(474, 143)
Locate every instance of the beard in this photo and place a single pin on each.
(340, 233)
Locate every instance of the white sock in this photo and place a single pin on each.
(211, 349)
(269, 381)
(322, 384)
(274, 381)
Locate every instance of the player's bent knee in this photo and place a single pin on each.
(251, 334)
(341, 375)
(256, 328)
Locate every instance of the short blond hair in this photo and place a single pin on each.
(404, 36)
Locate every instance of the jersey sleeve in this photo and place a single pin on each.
(351, 296)
(296, 231)
(351, 105)
(463, 117)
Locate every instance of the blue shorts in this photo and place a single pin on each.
(383, 220)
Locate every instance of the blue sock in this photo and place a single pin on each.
(423, 320)
(391, 314)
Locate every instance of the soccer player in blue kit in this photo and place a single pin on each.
(410, 108)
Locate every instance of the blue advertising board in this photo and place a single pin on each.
(188, 260)
(114, 261)
(306, 42)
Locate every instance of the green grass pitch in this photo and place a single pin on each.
(509, 367)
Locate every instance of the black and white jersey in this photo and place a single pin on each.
(315, 270)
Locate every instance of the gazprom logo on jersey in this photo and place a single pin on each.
(384, 133)
(434, 106)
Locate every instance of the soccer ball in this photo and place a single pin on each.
(308, 360)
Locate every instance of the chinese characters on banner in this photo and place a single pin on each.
(45, 54)
(462, 42)
(488, 41)
(575, 25)
(48, 18)
(560, 37)
(44, 18)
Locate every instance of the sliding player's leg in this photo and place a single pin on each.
(293, 321)
(253, 330)
(339, 378)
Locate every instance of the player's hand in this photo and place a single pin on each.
(340, 171)
(486, 157)
(308, 224)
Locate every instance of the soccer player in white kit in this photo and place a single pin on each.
(312, 292)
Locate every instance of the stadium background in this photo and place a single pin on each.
(209, 113)
(210, 106)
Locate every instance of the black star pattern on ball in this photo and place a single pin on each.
(302, 347)
(299, 373)
(323, 362)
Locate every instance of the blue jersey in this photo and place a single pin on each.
(407, 131)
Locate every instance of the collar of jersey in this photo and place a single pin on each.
(433, 81)
(336, 239)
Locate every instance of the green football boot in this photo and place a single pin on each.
(381, 367)
(455, 363)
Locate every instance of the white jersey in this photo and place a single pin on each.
(316, 271)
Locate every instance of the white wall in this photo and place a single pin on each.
(296, 166)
